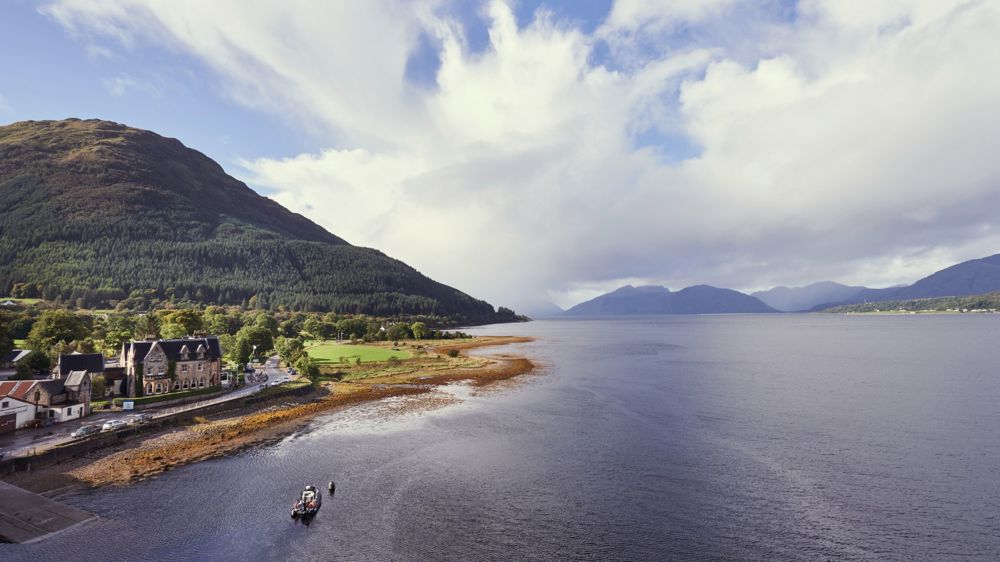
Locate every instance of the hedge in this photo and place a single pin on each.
(168, 396)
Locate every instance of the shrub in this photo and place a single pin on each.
(452, 353)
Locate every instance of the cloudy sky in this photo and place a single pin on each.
(552, 150)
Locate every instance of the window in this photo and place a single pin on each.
(52, 413)
(177, 385)
(159, 388)
(184, 368)
(201, 383)
(149, 388)
(5, 404)
(201, 367)
(185, 383)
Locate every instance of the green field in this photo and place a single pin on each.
(21, 301)
(331, 352)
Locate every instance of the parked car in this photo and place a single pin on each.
(85, 430)
(113, 425)
(138, 419)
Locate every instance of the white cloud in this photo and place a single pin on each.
(119, 86)
(854, 142)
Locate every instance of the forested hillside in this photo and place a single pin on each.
(984, 302)
(96, 214)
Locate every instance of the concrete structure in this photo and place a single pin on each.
(172, 365)
(27, 517)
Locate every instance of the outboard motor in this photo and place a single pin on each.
(332, 487)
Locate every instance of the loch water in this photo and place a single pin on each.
(733, 437)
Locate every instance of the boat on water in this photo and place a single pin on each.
(308, 503)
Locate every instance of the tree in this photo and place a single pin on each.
(398, 331)
(147, 326)
(98, 388)
(266, 321)
(55, 326)
(313, 326)
(254, 336)
(173, 331)
(219, 323)
(24, 372)
(117, 330)
(289, 349)
(37, 361)
(419, 330)
(6, 344)
(355, 326)
(308, 368)
(189, 320)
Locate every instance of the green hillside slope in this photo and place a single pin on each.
(95, 211)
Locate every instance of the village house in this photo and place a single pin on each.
(165, 366)
(47, 401)
(91, 363)
(13, 357)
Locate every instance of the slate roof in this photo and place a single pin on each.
(74, 379)
(172, 348)
(90, 362)
(15, 355)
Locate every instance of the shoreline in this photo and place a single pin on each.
(234, 431)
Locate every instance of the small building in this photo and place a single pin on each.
(15, 407)
(47, 401)
(165, 366)
(91, 363)
(13, 357)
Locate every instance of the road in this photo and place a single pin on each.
(32, 441)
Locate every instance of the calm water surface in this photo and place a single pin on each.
(720, 437)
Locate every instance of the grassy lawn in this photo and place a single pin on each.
(331, 352)
(21, 301)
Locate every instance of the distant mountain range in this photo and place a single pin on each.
(969, 278)
(794, 299)
(973, 277)
(699, 299)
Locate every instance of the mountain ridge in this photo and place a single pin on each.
(653, 299)
(96, 211)
(972, 277)
(795, 299)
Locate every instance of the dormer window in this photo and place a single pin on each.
(185, 353)
(201, 352)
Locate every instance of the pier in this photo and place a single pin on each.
(27, 517)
